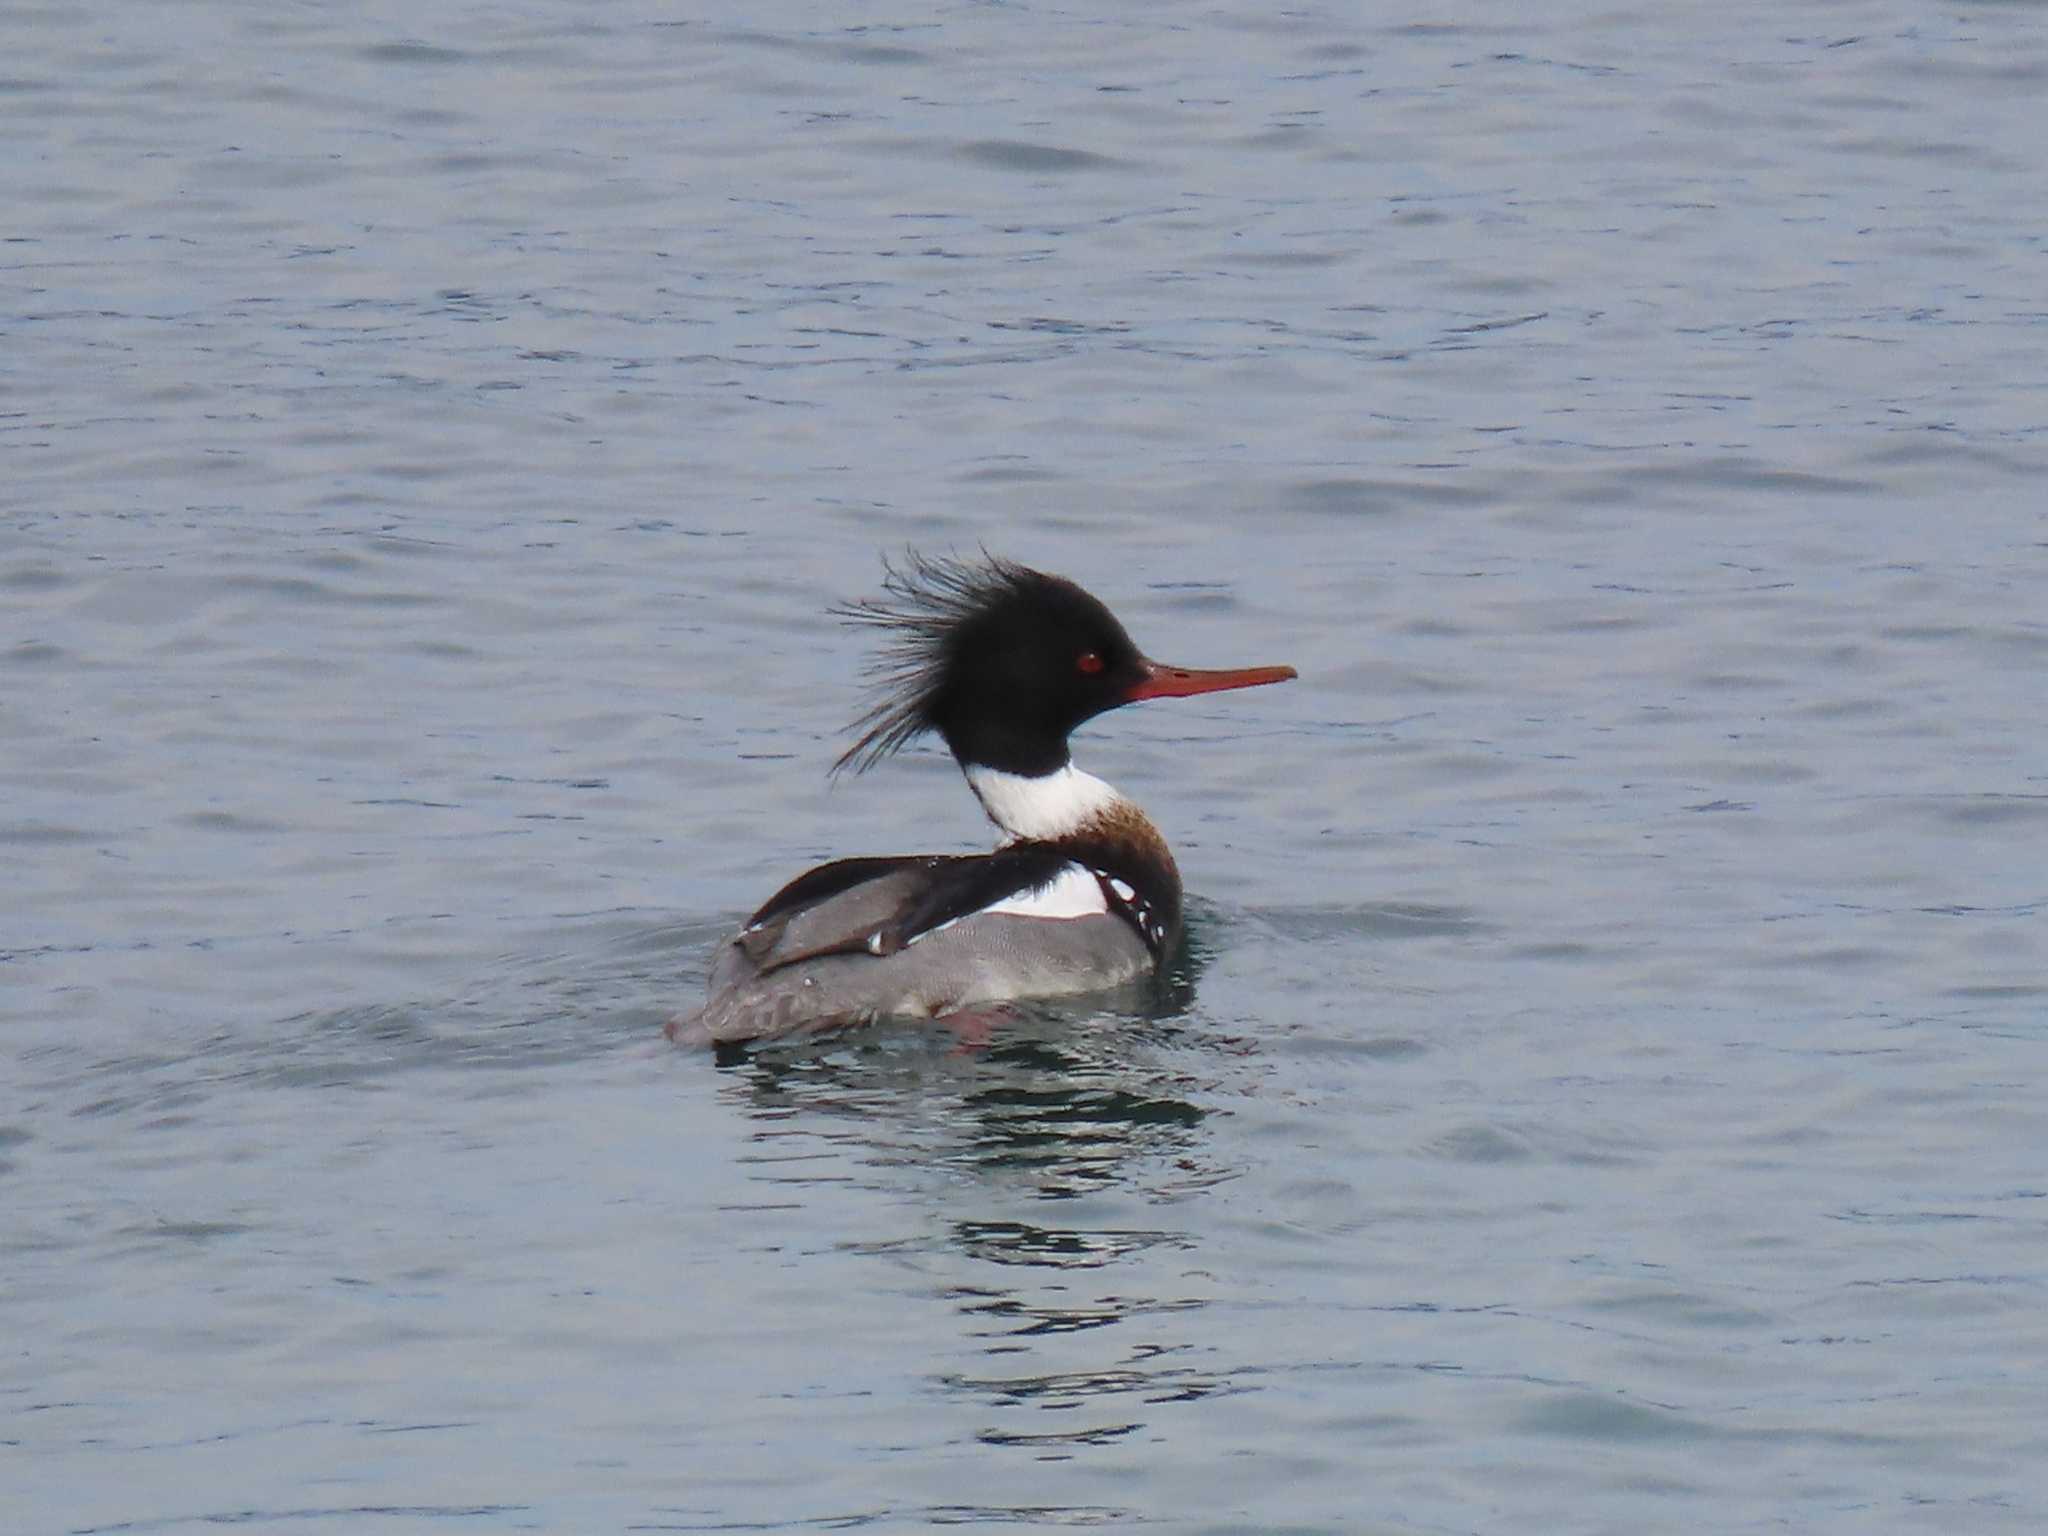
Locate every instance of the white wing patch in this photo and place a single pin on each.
(1074, 892)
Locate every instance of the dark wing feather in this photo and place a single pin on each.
(878, 906)
(971, 883)
(828, 880)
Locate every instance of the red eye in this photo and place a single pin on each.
(1088, 663)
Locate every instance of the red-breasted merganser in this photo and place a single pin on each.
(1003, 662)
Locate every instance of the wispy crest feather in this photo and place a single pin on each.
(923, 601)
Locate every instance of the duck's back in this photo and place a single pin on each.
(919, 936)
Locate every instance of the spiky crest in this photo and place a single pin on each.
(925, 601)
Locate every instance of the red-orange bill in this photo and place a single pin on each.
(1164, 682)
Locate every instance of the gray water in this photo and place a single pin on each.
(1603, 1092)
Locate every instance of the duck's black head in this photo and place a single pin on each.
(1004, 662)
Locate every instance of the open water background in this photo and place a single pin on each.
(1606, 1096)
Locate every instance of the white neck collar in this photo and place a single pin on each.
(1043, 808)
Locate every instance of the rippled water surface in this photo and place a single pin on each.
(1603, 1092)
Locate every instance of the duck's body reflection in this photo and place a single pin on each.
(1061, 1113)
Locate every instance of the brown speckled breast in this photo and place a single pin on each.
(1140, 882)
